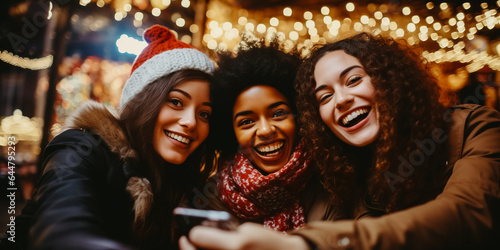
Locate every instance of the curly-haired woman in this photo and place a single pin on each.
(264, 176)
(111, 181)
(402, 170)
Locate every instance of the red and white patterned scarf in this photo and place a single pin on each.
(273, 197)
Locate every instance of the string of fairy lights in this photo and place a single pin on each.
(450, 27)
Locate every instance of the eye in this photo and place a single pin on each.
(354, 80)
(279, 113)
(324, 97)
(205, 115)
(175, 102)
(245, 122)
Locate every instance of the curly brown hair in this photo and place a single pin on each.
(407, 98)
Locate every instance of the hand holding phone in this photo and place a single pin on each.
(187, 218)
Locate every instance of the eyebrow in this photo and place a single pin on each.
(342, 74)
(248, 112)
(189, 96)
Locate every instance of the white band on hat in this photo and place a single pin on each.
(163, 64)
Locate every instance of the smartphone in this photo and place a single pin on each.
(187, 218)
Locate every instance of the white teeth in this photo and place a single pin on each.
(270, 148)
(354, 115)
(178, 137)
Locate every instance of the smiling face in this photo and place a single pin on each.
(182, 123)
(345, 95)
(264, 127)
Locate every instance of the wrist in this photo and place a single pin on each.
(299, 243)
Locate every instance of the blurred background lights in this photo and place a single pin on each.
(130, 45)
(349, 7)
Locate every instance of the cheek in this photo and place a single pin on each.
(326, 115)
(203, 131)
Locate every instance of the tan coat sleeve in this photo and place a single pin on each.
(465, 215)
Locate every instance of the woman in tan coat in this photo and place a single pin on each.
(401, 169)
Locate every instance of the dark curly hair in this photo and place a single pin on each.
(407, 98)
(255, 63)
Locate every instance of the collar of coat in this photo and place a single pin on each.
(103, 121)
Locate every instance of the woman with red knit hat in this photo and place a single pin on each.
(111, 179)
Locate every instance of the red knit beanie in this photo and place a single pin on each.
(163, 55)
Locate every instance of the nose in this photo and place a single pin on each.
(188, 119)
(343, 98)
(266, 129)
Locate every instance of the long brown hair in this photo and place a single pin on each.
(170, 183)
(407, 98)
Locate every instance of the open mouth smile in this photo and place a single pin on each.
(354, 117)
(270, 149)
(177, 137)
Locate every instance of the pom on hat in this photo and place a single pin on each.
(163, 55)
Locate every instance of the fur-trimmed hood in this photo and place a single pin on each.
(104, 121)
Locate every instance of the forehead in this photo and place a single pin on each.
(258, 96)
(333, 63)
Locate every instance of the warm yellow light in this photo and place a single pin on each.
(406, 11)
(194, 28)
(473, 30)
(400, 32)
(484, 5)
(358, 26)
(446, 28)
(308, 15)
(385, 21)
(261, 28)
(180, 22)
(212, 44)
(250, 27)
(364, 19)
(139, 16)
(430, 5)
(372, 22)
(185, 3)
(436, 26)
(434, 36)
(423, 37)
(393, 26)
(310, 24)
(274, 21)
(298, 26)
(349, 7)
(210, 14)
(325, 10)
(287, 11)
(460, 16)
(213, 24)
(327, 20)
(378, 15)
(454, 35)
(217, 32)
(424, 29)
(156, 12)
(242, 21)
(415, 19)
(466, 5)
(452, 21)
(336, 24)
(118, 16)
(411, 27)
(127, 7)
(227, 26)
(443, 6)
(294, 35)
(429, 19)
